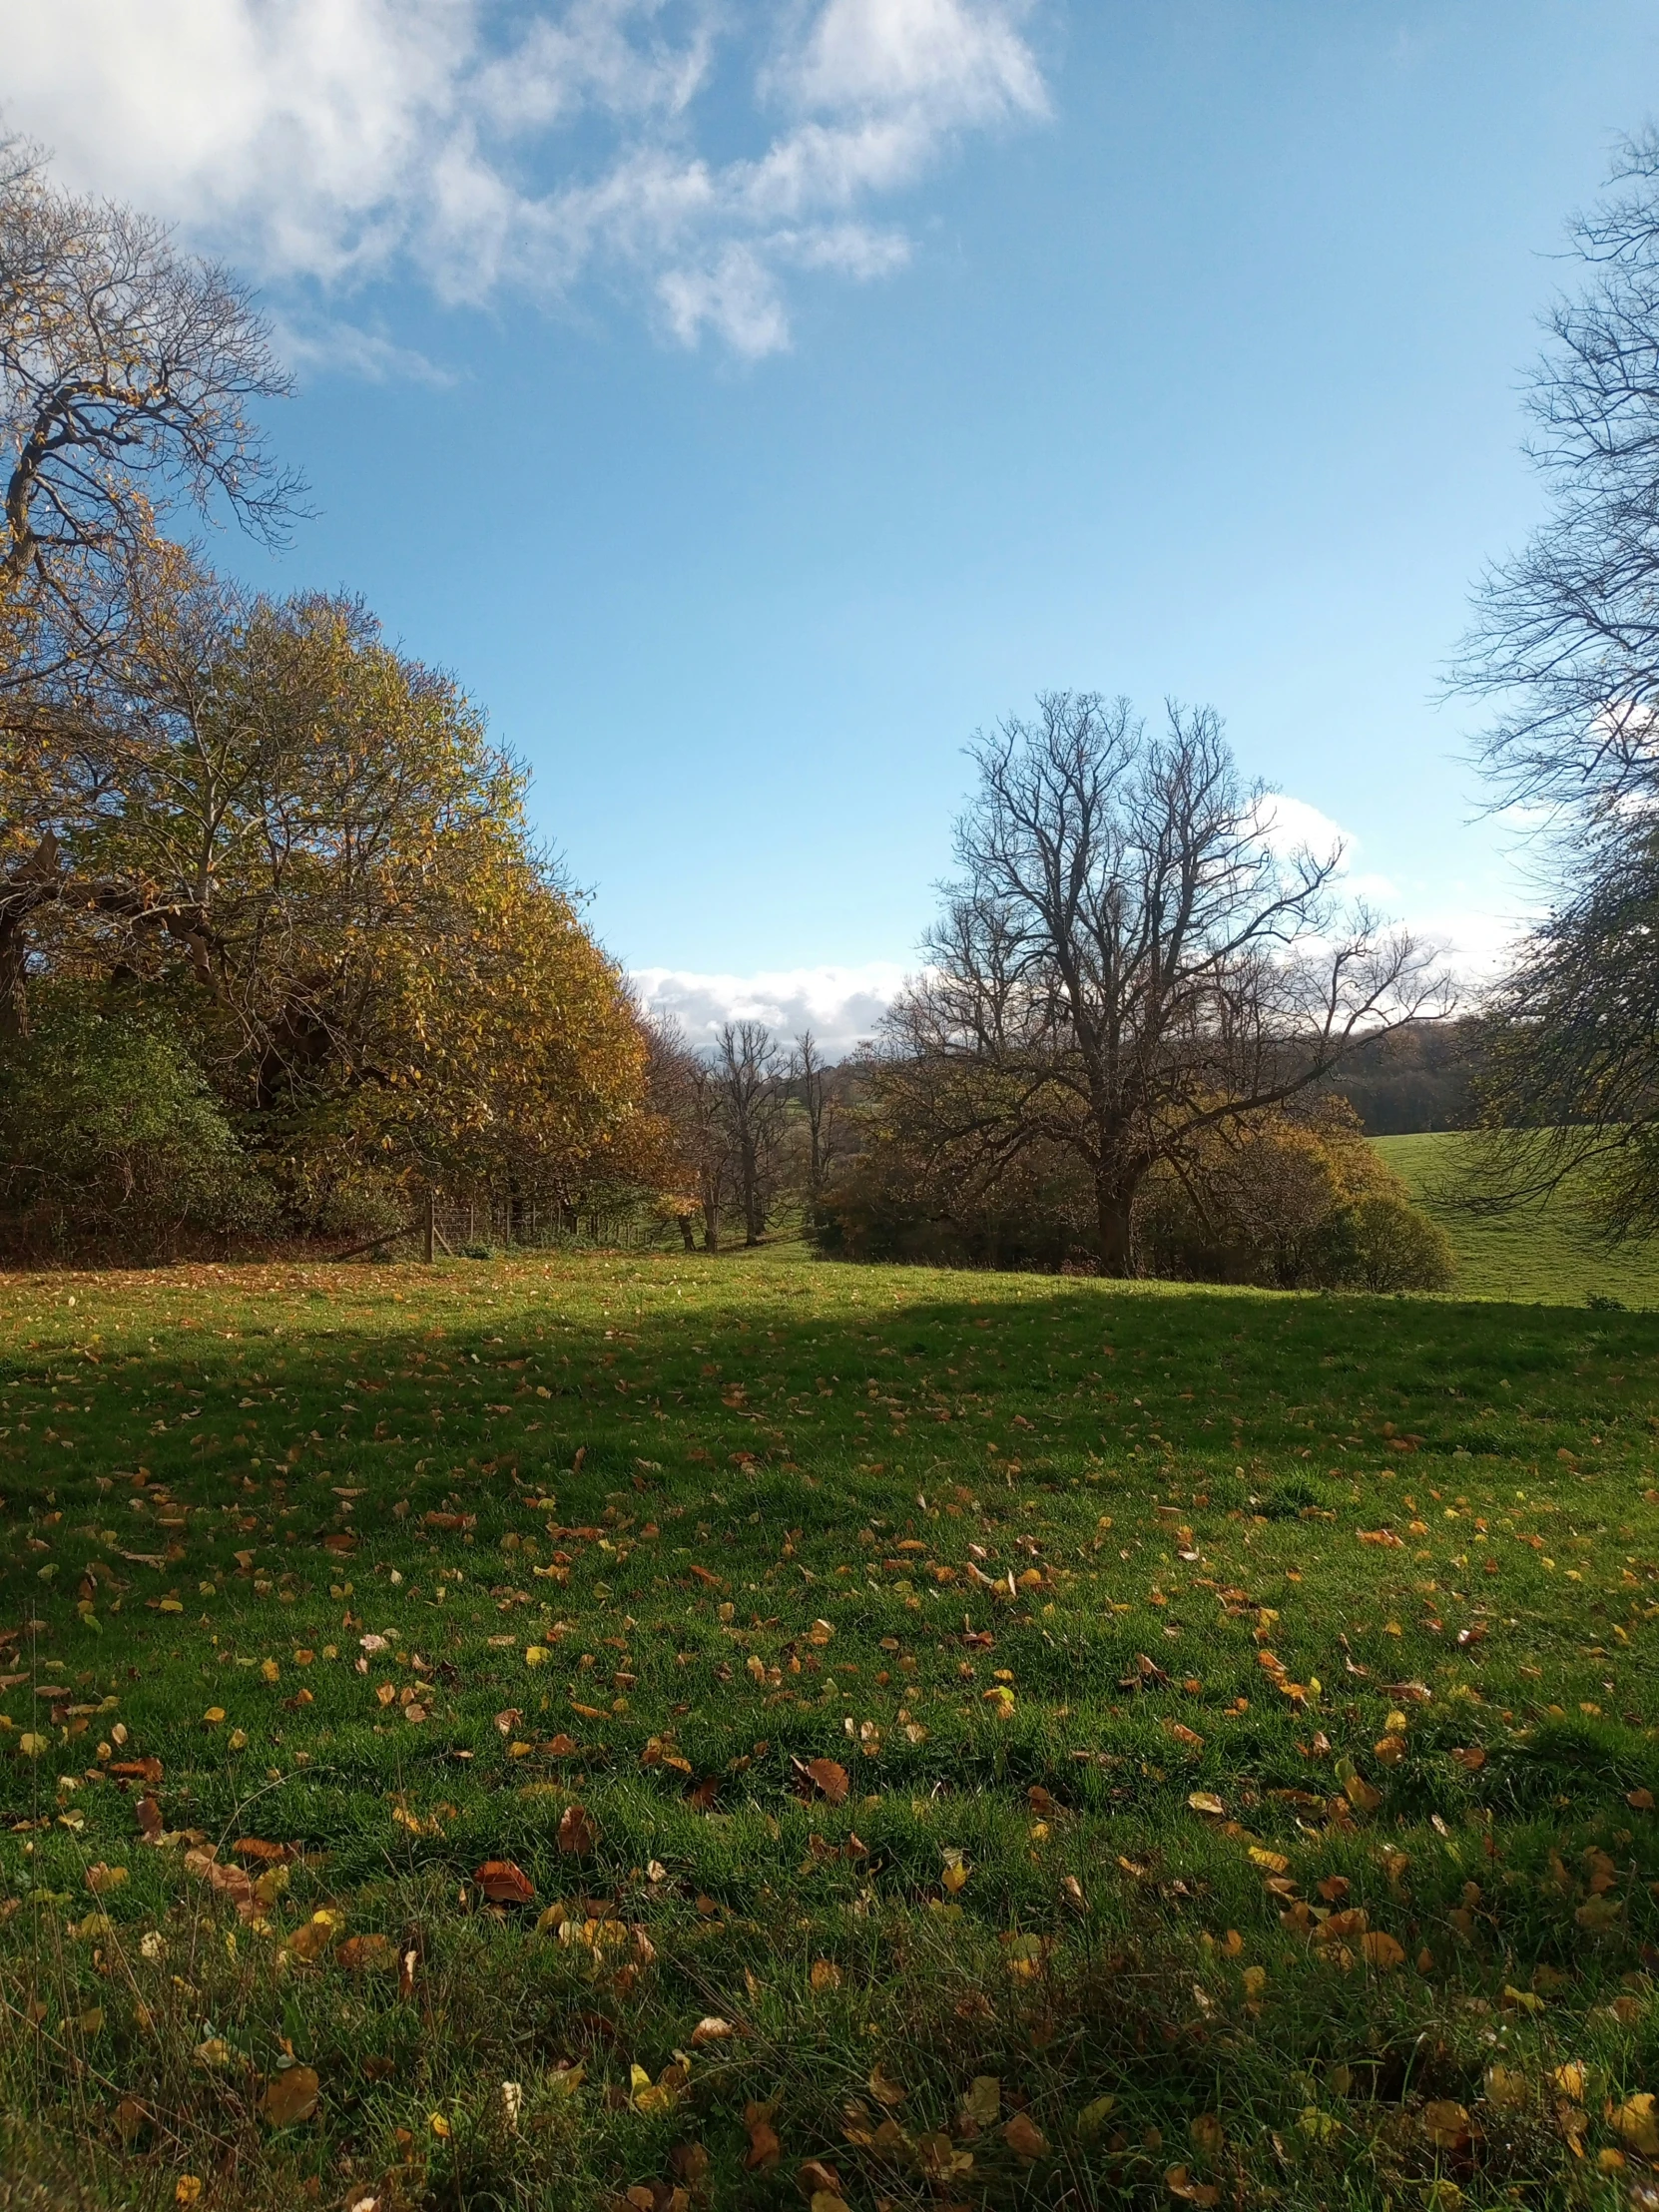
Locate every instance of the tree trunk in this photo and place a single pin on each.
(754, 1216)
(710, 1225)
(685, 1236)
(1115, 1207)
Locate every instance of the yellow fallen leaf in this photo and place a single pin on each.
(1508, 2088)
(1638, 2123)
(984, 2100)
(1446, 2125)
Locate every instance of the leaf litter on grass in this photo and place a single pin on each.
(859, 1746)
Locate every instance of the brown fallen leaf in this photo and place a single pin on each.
(1024, 2137)
(825, 1775)
(577, 1832)
(712, 2029)
(504, 1884)
(312, 1938)
(1181, 2184)
(137, 1770)
(1382, 1950)
(765, 2149)
(250, 1847)
(884, 2089)
(291, 2096)
(360, 1952)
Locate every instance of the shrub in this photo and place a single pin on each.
(1396, 1248)
(108, 1136)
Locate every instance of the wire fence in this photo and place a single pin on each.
(500, 1222)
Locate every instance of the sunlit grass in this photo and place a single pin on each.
(979, 1893)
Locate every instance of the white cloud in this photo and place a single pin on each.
(1287, 825)
(332, 142)
(840, 1006)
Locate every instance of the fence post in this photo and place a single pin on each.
(429, 1225)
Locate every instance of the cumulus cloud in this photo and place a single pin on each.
(840, 1006)
(1287, 825)
(487, 145)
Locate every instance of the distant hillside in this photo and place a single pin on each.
(1416, 1078)
(1548, 1256)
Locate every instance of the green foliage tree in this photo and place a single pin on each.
(111, 1139)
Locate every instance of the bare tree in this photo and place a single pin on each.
(1126, 961)
(1565, 644)
(748, 1070)
(810, 1077)
(130, 373)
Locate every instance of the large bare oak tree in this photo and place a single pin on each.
(1127, 959)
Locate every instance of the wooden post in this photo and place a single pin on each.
(429, 1225)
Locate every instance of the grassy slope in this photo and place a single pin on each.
(1252, 1539)
(1550, 1254)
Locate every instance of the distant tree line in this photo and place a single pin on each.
(1119, 1052)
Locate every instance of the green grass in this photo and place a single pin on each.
(1307, 1593)
(1550, 1254)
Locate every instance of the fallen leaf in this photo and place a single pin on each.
(764, 2150)
(1638, 2123)
(1024, 2137)
(1446, 2125)
(1181, 2184)
(504, 1884)
(984, 2100)
(577, 1832)
(828, 1776)
(291, 2096)
(360, 1952)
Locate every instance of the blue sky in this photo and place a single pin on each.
(748, 400)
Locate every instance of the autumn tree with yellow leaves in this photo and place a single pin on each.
(249, 831)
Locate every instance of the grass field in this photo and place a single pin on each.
(673, 1733)
(1550, 1254)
